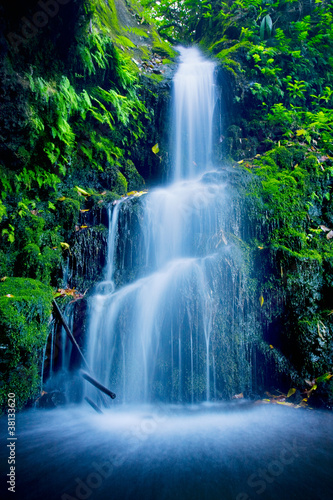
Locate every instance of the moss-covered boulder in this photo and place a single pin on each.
(25, 310)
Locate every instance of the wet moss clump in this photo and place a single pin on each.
(25, 310)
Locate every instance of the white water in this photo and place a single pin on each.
(151, 339)
(192, 114)
(197, 452)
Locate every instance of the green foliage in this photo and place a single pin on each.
(25, 309)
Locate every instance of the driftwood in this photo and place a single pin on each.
(99, 386)
(85, 375)
(93, 405)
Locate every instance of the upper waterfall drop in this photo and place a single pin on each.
(193, 107)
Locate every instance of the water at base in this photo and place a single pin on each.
(197, 452)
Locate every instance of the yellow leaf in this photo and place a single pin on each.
(300, 132)
(131, 193)
(85, 210)
(140, 193)
(65, 245)
(83, 227)
(261, 248)
(82, 191)
(155, 149)
(62, 198)
(271, 346)
(241, 161)
(9, 295)
(261, 300)
(291, 392)
(4, 278)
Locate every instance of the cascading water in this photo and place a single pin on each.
(166, 332)
(192, 114)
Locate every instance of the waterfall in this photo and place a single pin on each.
(192, 114)
(171, 331)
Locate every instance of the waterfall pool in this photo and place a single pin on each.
(211, 451)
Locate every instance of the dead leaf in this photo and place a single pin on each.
(4, 278)
(324, 228)
(238, 396)
(291, 392)
(155, 149)
(329, 235)
(64, 245)
(261, 300)
(82, 191)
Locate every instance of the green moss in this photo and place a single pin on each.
(25, 310)
(161, 47)
(121, 184)
(134, 180)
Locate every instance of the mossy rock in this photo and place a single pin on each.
(121, 184)
(25, 310)
(134, 179)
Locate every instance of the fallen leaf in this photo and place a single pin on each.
(4, 278)
(291, 392)
(329, 235)
(85, 210)
(62, 198)
(82, 191)
(324, 228)
(238, 396)
(64, 245)
(271, 346)
(9, 295)
(155, 149)
(241, 161)
(261, 300)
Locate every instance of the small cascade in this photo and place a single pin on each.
(174, 328)
(112, 239)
